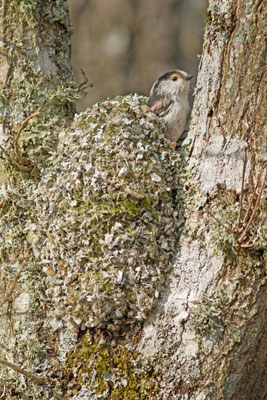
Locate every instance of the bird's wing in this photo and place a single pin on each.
(160, 105)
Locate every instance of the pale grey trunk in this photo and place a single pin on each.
(209, 331)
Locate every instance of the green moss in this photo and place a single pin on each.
(114, 371)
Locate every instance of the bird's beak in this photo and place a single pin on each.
(189, 77)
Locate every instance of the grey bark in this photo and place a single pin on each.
(216, 284)
(204, 338)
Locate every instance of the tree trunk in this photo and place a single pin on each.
(124, 274)
(214, 311)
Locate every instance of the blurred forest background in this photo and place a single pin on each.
(123, 46)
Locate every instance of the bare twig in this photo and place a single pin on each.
(252, 197)
(22, 125)
(13, 161)
(29, 375)
(252, 240)
(12, 286)
(22, 164)
(225, 227)
(84, 85)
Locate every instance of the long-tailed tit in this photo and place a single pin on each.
(169, 100)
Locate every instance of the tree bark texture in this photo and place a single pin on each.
(193, 331)
(220, 286)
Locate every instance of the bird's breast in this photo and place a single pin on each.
(176, 120)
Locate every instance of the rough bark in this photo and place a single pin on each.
(35, 76)
(204, 339)
(213, 315)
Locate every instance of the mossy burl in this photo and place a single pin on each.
(108, 211)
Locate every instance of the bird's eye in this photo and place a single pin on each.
(174, 78)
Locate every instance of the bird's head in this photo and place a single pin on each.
(175, 83)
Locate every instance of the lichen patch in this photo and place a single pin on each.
(108, 211)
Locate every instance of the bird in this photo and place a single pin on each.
(168, 99)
